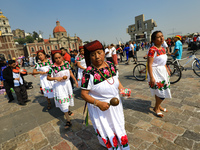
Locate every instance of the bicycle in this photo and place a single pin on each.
(140, 72)
(195, 63)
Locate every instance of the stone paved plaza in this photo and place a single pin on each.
(32, 127)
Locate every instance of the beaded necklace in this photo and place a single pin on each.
(103, 75)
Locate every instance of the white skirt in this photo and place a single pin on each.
(63, 95)
(109, 126)
(162, 85)
(80, 74)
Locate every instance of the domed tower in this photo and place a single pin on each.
(59, 31)
(4, 25)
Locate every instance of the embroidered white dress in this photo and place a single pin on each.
(47, 86)
(80, 59)
(109, 125)
(63, 93)
(160, 74)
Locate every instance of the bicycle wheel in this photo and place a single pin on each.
(139, 72)
(175, 73)
(196, 67)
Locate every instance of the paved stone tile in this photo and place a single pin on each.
(197, 129)
(192, 135)
(62, 146)
(144, 145)
(157, 122)
(171, 119)
(130, 128)
(153, 147)
(36, 135)
(48, 147)
(165, 144)
(47, 128)
(147, 136)
(196, 146)
(142, 116)
(184, 142)
(84, 134)
(94, 144)
(134, 140)
(163, 133)
(143, 124)
(42, 143)
(54, 138)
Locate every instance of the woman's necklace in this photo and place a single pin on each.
(103, 75)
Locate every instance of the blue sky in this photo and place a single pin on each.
(104, 20)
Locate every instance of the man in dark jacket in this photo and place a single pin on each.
(16, 81)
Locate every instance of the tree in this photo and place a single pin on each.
(29, 39)
(21, 40)
(35, 35)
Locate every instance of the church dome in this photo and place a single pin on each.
(1, 15)
(58, 28)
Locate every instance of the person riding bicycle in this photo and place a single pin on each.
(178, 48)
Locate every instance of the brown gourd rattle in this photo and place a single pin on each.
(64, 77)
(114, 101)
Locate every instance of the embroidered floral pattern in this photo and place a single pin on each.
(98, 78)
(80, 57)
(47, 90)
(64, 100)
(42, 64)
(97, 133)
(124, 141)
(56, 69)
(161, 85)
(154, 49)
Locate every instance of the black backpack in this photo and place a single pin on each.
(137, 48)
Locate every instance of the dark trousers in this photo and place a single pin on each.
(8, 91)
(109, 59)
(21, 93)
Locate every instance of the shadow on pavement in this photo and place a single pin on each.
(81, 136)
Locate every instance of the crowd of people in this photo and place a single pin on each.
(94, 69)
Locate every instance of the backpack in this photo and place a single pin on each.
(137, 48)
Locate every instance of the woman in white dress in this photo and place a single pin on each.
(60, 73)
(80, 61)
(42, 67)
(100, 83)
(158, 74)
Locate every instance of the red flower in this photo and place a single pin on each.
(98, 132)
(115, 141)
(104, 140)
(124, 140)
(160, 85)
(108, 144)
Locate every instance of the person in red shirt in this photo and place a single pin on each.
(66, 56)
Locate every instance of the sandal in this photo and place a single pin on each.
(165, 110)
(49, 106)
(159, 114)
(70, 113)
(68, 124)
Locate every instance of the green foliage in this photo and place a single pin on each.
(21, 40)
(35, 35)
(29, 39)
